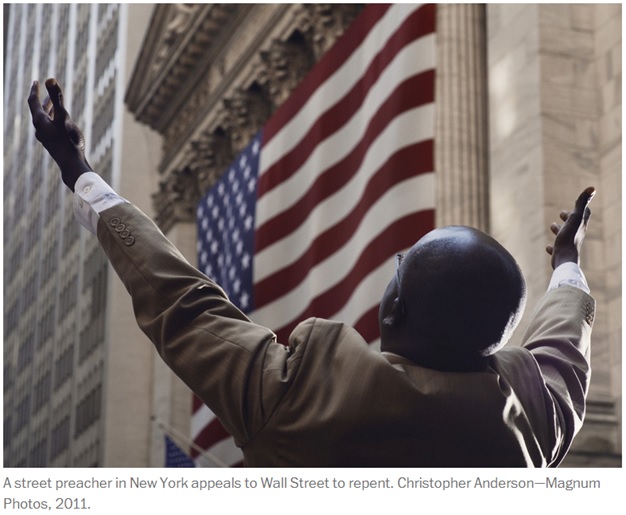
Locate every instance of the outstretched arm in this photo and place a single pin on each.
(559, 334)
(228, 361)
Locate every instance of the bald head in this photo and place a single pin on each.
(460, 296)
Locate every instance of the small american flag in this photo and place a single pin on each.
(306, 220)
(175, 457)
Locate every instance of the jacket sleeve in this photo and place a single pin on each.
(211, 345)
(559, 337)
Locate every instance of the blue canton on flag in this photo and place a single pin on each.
(226, 228)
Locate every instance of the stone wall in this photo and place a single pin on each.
(555, 128)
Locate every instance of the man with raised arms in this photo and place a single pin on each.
(443, 391)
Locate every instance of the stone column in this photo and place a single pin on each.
(461, 130)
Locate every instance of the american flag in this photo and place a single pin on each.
(175, 457)
(306, 220)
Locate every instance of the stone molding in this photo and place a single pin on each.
(174, 47)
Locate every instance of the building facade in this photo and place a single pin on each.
(528, 114)
(60, 336)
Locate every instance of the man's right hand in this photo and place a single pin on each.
(57, 132)
(570, 236)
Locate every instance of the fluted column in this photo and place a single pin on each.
(461, 132)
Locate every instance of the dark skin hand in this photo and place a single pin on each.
(58, 133)
(570, 236)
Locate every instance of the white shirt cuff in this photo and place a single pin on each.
(568, 274)
(92, 195)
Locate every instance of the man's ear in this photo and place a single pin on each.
(396, 317)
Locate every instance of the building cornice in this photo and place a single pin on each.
(181, 39)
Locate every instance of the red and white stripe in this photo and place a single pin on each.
(347, 175)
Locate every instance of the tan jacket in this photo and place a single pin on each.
(330, 400)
